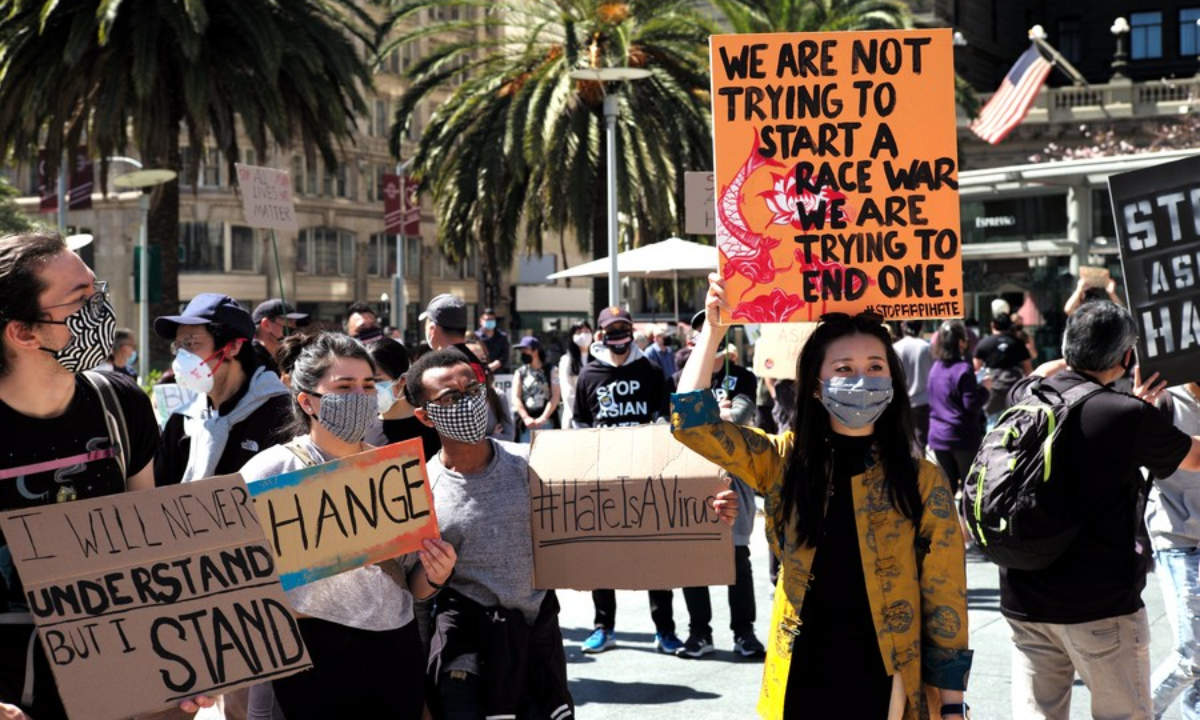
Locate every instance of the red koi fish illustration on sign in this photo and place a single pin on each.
(746, 253)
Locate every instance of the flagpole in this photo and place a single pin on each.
(1038, 36)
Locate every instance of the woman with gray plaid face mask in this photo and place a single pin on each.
(359, 626)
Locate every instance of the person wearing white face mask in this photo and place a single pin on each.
(396, 419)
(359, 626)
(240, 407)
(578, 354)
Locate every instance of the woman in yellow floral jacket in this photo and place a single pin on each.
(875, 624)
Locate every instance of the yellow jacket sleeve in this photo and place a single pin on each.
(749, 453)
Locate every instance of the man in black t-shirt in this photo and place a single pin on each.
(622, 387)
(1007, 360)
(1084, 614)
(60, 441)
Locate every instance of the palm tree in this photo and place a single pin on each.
(119, 75)
(766, 16)
(517, 149)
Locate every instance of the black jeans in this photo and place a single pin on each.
(955, 463)
(14, 649)
(741, 601)
(661, 609)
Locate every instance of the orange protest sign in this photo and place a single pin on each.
(837, 175)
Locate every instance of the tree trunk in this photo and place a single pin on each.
(163, 229)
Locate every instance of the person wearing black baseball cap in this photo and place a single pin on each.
(240, 406)
(622, 387)
(272, 320)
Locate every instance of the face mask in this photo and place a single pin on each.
(132, 359)
(618, 342)
(489, 324)
(526, 359)
(347, 416)
(193, 373)
(92, 329)
(857, 401)
(386, 395)
(466, 421)
(582, 339)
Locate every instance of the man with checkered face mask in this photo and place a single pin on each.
(509, 660)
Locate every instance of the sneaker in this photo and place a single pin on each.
(668, 643)
(748, 646)
(697, 646)
(599, 641)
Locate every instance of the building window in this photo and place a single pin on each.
(297, 174)
(249, 157)
(312, 176)
(1070, 39)
(325, 251)
(1145, 35)
(210, 172)
(380, 126)
(200, 247)
(1042, 217)
(1189, 32)
(335, 182)
(243, 249)
(412, 257)
(381, 255)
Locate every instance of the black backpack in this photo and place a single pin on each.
(1017, 513)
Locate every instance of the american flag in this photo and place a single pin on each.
(1011, 103)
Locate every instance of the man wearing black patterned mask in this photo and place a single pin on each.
(622, 387)
(497, 648)
(68, 433)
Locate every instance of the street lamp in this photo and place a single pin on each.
(612, 109)
(142, 179)
(397, 299)
(1119, 29)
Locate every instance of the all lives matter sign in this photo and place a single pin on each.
(836, 175)
(1157, 214)
(267, 197)
(627, 508)
(144, 599)
(365, 508)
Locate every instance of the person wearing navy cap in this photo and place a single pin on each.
(240, 407)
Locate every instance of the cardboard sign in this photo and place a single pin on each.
(1094, 277)
(837, 175)
(362, 509)
(1157, 214)
(625, 508)
(267, 197)
(144, 599)
(778, 349)
(169, 398)
(699, 203)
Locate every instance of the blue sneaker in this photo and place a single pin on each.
(599, 641)
(668, 643)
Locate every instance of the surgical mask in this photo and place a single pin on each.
(582, 339)
(489, 324)
(857, 401)
(192, 371)
(132, 359)
(466, 421)
(92, 328)
(385, 393)
(347, 416)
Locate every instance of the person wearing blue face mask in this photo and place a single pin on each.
(396, 421)
(495, 340)
(870, 606)
(123, 355)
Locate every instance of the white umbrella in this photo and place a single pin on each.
(672, 258)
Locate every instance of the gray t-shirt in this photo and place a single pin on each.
(365, 598)
(917, 359)
(486, 518)
(1173, 511)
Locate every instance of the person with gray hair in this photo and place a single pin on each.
(1084, 613)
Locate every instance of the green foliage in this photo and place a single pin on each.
(764, 16)
(515, 147)
(12, 220)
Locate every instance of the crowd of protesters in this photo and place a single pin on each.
(856, 460)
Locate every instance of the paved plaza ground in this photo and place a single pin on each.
(633, 681)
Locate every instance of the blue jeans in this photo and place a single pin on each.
(1178, 571)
